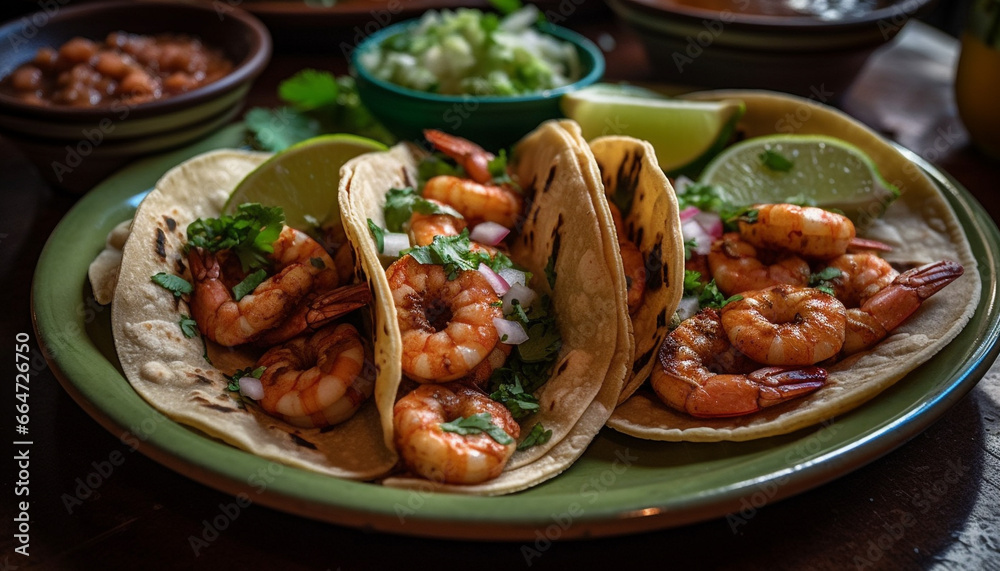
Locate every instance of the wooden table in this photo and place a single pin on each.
(933, 501)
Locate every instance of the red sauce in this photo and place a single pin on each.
(126, 68)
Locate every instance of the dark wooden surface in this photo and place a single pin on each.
(934, 502)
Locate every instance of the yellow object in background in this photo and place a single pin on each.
(977, 80)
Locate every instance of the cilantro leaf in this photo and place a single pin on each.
(309, 89)
(689, 247)
(506, 6)
(401, 203)
(250, 233)
(174, 284)
(434, 165)
(775, 161)
(708, 294)
(456, 255)
(189, 327)
(378, 234)
(512, 395)
(277, 129)
(822, 279)
(531, 362)
(477, 424)
(536, 437)
(497, 167)
(318, 102)
(249, 284)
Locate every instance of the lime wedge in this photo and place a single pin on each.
(824, 171)
(684, 133)
(303, 179)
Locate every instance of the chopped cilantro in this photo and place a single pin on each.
(708, 294)
(250, 233)
(188, 326)
(530, 363)
(512, 395)
(537, 436)
(775, 161)
(477, 424)
(455, 254)
(234, 379)
(401, 203)
(498, 170)
(249, 284)
(821, 280)
(378, 234)
(174, 284)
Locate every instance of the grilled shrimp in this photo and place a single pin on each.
(442, 456)
(446, 325)
(303, 269)
(786, 325)
(702, 374)
(738, 266)
(317, 380)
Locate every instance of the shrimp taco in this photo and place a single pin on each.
(644, 210)
(502, 319)
(706, 387)
(219, 321)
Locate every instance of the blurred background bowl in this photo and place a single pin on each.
(817, 51)
(492, 121)
(74, 148)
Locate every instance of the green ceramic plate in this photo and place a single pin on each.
(621, 485)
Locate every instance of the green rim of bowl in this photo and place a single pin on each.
(620, 485)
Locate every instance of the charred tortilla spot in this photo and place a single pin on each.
(661, 318)
(654, 263)
(202, 401)
(161, 243)
(627, 177)
(302, 441)
(640, 233)
(203, 379)
(549, 178)
(171, 223)
(641, 361)
(179, 266)
(406, 178)
(562, 368)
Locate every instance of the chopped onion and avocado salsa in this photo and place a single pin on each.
(467, 51)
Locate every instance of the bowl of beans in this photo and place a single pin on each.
(87, 88)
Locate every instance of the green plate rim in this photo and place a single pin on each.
(622, 498)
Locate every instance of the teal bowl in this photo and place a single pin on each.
(494, 122)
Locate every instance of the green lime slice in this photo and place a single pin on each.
(303, 179)
(685, 134)
(820, 170)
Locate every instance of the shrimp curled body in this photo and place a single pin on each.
(786, 325)
(806, 231)
(446, 325)
(474, 200)
(317, 380)
(450, 457)
(302, 267)
(702, 374)
(738, 266)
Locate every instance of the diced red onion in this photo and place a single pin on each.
(689, 213)
(511, 332)
(512, 276)
(702, 240)
(251, 388)
(687, 307)
(711, 222)
(394, 243)
(524, 295)
(489, 233)
(499, 284)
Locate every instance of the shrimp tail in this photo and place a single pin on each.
(735, 395)
(333, 304)
(891, 306)
(866, 245)
(473, 158)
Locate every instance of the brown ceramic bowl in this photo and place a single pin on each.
(764, 45)
(76, 147)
